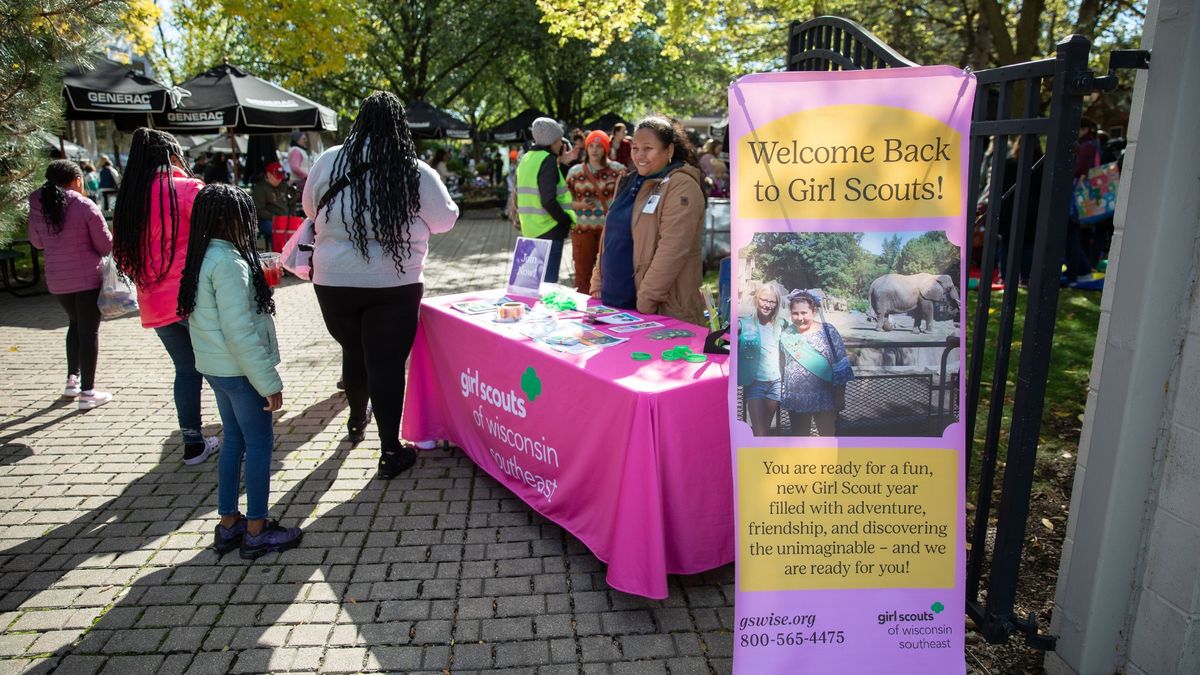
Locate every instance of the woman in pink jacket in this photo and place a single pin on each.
(150, 239)
(71, 230)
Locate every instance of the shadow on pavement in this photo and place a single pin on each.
(239, 614)
(155, 504)
(12, 453)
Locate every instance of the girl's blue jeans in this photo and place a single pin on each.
(248, 434)
(178, 343)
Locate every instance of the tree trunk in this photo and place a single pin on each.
(1089, 17)
(993, 21)
(980, 44)
(1026, 46)
(1028, 30)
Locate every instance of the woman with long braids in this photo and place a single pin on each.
(228, 307)
(375, 205)
(72, 231)
(150, 238)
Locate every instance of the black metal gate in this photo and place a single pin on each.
(1038, 104)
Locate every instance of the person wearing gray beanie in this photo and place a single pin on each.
(545, 131)
(543, 201)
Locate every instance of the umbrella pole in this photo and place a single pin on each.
(233, 149)
(62, 146)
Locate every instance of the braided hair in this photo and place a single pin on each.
(222, 211)
(669, 130)
(387, 198)
(150, 151)
(59, 175)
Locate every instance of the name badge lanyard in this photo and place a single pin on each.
(651, 204)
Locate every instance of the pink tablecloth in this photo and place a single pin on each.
(632, 457)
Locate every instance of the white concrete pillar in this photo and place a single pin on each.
(1144, 318)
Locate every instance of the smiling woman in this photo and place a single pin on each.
(650, 254)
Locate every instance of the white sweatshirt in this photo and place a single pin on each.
(335, 260)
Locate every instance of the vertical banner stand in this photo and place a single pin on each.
(849, 212)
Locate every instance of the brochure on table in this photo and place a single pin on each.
(573, 331)
(565, 331)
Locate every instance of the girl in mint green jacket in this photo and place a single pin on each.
(228, 305)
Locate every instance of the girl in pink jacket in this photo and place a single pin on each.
(150, 239)
(71, 230)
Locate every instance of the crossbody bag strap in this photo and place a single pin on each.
(334, 189)
(336, 186)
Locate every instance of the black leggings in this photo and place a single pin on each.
(376, 328)
(83, 335)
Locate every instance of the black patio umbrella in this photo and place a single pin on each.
(515, 130)
(227, 96)
(426, 121)
(607, 121)
(70, 150)
(111, 90)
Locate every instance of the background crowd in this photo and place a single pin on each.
(186, 238)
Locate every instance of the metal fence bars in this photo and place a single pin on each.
(834, 43)
(1029, 103)
(891, 402)
(1008, 105)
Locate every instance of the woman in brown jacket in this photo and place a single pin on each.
(650, 255)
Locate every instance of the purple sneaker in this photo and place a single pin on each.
(273, 538)
(227, 539)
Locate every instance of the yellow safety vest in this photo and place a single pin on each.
(535, 220)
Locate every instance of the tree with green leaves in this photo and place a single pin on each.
(824, 260)
(483, 59)
(38, 38)
(890, 253)
(572, 82)
(929, 253)
(338, 51)
(293, 43)
(981, 34)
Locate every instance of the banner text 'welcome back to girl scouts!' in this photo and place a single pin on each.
(849, 220)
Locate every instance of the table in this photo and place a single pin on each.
(9, 279)
(632, 457)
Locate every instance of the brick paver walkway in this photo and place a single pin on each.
(103, 531)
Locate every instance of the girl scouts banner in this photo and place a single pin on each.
(849, 217)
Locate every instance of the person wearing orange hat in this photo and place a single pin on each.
(270, 195)
(592, 183)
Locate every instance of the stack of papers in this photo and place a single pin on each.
(574, 337)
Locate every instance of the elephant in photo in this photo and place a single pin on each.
(916, 293)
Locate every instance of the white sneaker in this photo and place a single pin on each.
(71, 390)
(93, 399)
(211, 444)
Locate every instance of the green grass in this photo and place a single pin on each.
(1076, 323)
